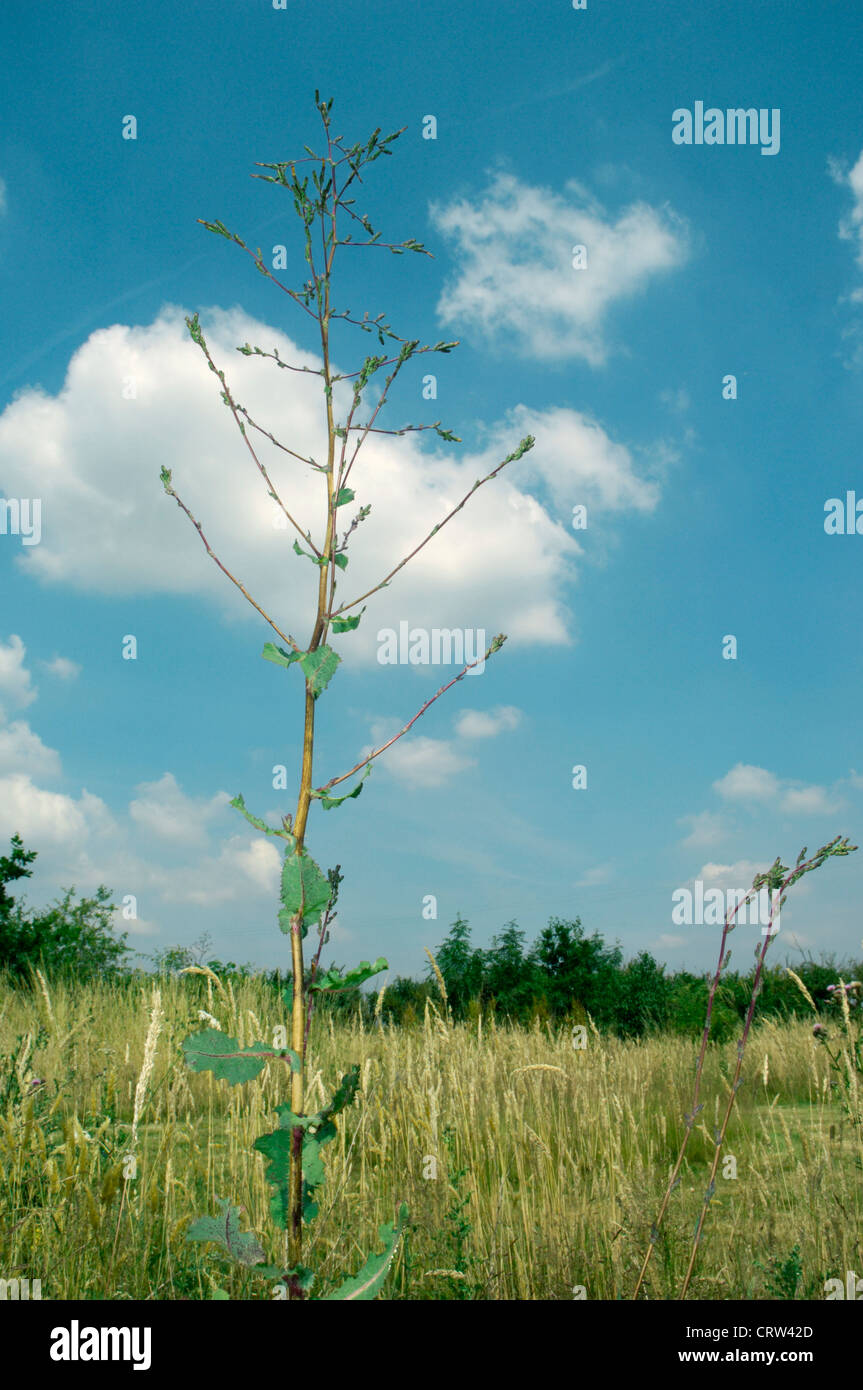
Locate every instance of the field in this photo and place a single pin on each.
(533, 1169)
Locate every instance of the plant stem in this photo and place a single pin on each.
(298, 1012)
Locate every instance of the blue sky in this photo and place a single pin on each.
(705, 515)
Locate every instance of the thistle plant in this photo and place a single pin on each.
(308, 896)
(777, 880)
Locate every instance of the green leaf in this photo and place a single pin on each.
(319, 667)
(224, 1230)
(334, 980)
(278, 655)
(348, 624)
(277, 1148)
(194, 328)
(214, 1051)
(342, 1098)
(328, 802)
(367, 1282)
(239, 805)
(218, 227)
(341, 561)
(346, 494)
(303, 887)
(317, 1130)
(526, 444)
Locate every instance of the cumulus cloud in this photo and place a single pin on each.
(418, 760)
(47, 818)
(706, 828)
(242, 862)
(79, 839)
(851, 225)
(136, 398)
(815, 801)
(747, 783)
(21, 750)
(63, 668)
(515, 279)
(163, 810)
(15, 688)
(474, 723)
(575, 461)
(737, 875)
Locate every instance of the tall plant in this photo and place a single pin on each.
(307, 895)
(777, 880)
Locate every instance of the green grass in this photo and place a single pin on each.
(563, 1155)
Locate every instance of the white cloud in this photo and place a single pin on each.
(242, 862)
(15, 685)
(49, 819)
(63, 668)
(501, 564)
(135, 926)
(79, 840)
(165, 811)
(667, 942)
(417, 760)
(851, 229)
(707, 829)
(420, 761)
(23, 751)
(516, 281)
(576, 462)
(474, 723)
(593, 878)
(737, 875)
(815, 801)
(851, 226)
(747, 783)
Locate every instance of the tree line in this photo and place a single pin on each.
(564, 976)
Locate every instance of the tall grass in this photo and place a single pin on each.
(562, 1153)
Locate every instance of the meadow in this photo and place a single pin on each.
(532, 1168)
